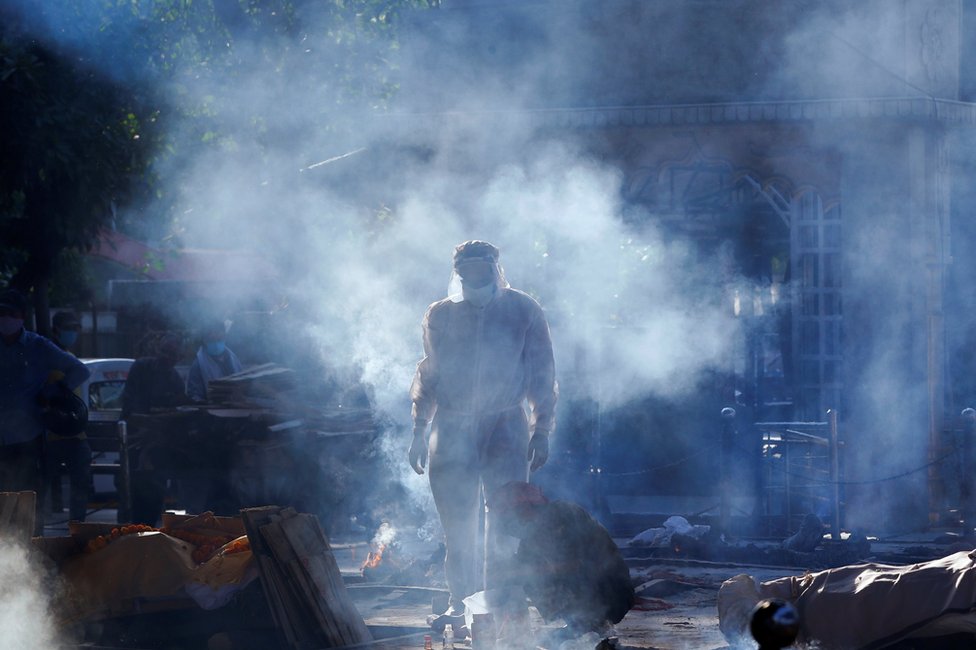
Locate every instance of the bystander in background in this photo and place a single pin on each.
(31, 369)
(153, 383)
(68, 453)
(213, 360)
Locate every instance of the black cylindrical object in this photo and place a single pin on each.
(775, 623)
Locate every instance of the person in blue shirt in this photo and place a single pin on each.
(30, 367)
(70, 451)
(212, 361)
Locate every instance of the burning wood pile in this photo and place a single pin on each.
(382, 561)
(387, 563)
(383, 538)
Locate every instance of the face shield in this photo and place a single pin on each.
(475, 273)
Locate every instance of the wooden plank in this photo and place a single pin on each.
(276, 595)
(267, 383)
(306, 536)
(307, 607)
(17, 515)
(334, 620)
(302, 580)
(262, 371)
(300, 610)
(324, 570)
(296, 611)
(300, 619)
(253, 519)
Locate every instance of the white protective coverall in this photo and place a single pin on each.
(863, 606)
(481, 365)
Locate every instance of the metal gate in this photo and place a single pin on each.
(801, 474)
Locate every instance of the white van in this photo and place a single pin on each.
(102, 393)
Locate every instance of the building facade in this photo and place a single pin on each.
(815, 146)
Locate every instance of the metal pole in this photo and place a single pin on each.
(94, 332)
(766, 483)
(788, 478)
(834, 472)
(966, 471)
(728, 433)
(123, 487)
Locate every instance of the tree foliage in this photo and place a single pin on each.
(71, 149)
(90, 91)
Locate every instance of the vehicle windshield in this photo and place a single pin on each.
(106, 395)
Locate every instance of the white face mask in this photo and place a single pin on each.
(10, 325)
(480, 296)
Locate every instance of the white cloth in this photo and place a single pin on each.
(862, 606)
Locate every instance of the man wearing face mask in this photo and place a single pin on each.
(72, 452)
(28, 363)
(213, 361)
(487, 386)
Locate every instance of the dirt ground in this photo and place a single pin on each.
(686, 616)
(678, 613)
(676, 610)
(686, 619)
(677, 607)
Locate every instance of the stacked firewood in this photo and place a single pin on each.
(341, 420)
(271, 389)
(301, 580)
(262, 386)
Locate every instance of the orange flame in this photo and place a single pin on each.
(384, 537)
(373, 558)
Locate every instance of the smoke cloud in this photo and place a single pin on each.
(365, 245)
(360, 210)
(26, 617)
(364, 241)
(890, 176)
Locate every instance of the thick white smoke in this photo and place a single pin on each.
(557, 220)
(25, 606)
(634, 310)
(878, 49)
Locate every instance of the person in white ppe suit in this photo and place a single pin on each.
(487, 387)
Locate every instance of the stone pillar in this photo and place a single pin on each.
(930, 197)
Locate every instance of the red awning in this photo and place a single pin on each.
(184, 264)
